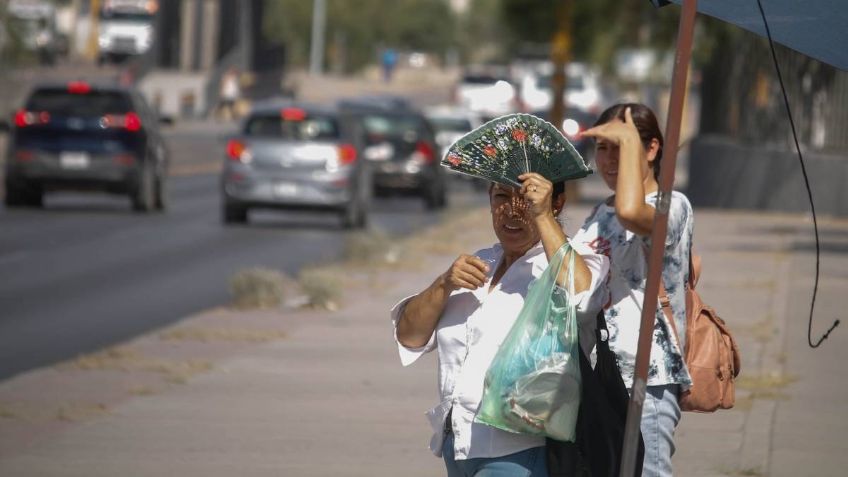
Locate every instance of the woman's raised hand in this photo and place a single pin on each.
(467, 271)
(616, 131)
(537, 192)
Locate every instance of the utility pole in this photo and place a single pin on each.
(686, 27)
(560, 56)
(316, 53)
(92, 48)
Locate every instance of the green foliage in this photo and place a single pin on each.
(600, 27)
(354, 35)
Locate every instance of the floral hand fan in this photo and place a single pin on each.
(511, 145)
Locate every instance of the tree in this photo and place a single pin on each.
(421, 25)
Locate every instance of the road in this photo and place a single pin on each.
(85, 272)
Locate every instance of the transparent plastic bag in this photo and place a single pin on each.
(533, 384)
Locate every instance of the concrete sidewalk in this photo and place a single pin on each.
(315, 393)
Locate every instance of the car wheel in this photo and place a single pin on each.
(22, 195)
(354, 216)
(143, 198)
(161, 196)
(435, 197)
(234, 213)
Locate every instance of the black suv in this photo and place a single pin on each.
(400, 145)
(81, 136)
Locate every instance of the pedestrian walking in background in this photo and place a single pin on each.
(628, 152)
(230, 92)
(466, 313)
(389, 60)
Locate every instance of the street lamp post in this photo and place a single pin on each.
(316, 53)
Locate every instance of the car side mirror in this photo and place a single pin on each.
(4, 125)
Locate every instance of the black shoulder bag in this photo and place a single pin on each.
(600, 422)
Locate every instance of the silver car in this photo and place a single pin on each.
(296, 156)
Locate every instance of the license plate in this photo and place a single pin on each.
(74, 160)
(285, 189)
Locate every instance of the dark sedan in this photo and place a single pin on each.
(401, 146)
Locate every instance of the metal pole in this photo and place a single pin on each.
(649, 307)
(316, 54)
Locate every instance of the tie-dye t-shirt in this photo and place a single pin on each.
(623, 295)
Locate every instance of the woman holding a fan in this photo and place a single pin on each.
(628, 151)
(468, 310)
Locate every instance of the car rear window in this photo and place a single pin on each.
(310, 128)
(481, 79)
(451, 124)
(92, 104)
(387, 127)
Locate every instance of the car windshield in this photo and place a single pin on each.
(451, 124)
(481, 79)
(92, 104)
(309, 128)
(126, 16)
(572, 82)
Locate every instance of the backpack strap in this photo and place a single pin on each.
(665, 301)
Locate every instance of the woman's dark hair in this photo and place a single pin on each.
(646, 123)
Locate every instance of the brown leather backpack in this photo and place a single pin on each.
(710, 353)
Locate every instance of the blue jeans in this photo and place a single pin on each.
(660, 416)
(528, 463)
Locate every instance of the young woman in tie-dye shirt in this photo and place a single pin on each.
(628, 151)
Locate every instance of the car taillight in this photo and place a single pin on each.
(293, 114)
(79, 87)
(29, 118)
(237, 151)
(130, 121)
(23, 155)
(426, 151)
(347, 154)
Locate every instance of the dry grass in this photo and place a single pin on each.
(213, 335)
(322, 286)
(257, 288)
(68, 411)
(747, 472)
(80, 411)
(765, 386)
(371, 247)
(125, 359)
(753, 283)
(762, 331)
(142, 390)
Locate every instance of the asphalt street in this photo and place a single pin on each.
(85, 272)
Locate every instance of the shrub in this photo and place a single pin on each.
(257, 288)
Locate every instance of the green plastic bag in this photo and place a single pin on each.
(533, 384)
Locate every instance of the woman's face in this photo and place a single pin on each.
(606, 158)
(515, 231)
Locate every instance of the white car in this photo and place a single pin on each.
(486, 94)
(582, 91)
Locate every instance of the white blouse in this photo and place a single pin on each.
(468, 335)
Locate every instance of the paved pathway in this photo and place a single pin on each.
(330, 397)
